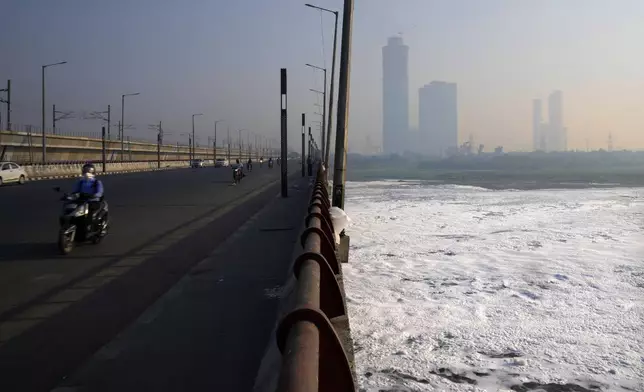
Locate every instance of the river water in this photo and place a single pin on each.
(457, 288)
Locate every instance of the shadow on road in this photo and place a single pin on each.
(27, 251)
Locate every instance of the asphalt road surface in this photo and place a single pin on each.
(57, 310)
(143, 207)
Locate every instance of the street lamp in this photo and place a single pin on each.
(335, 41)
(122, 119)
(193, 134)
(44, 141)
(215, 141)
(218, 121)
(323, 101)
(241, 143)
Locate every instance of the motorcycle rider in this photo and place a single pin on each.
(250, 164)
(92, 189)
(237, 168)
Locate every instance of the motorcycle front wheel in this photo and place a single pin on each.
(66, 240)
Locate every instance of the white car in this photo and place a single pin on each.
(12, 172)
(196, 163)
(221, 163)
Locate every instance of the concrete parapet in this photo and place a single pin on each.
(35, 172)
(24, 148)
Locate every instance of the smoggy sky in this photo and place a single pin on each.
(222, 58)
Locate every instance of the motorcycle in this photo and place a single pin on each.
(76, 224)
(238, 174)
(270, 164)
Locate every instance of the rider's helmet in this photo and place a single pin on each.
(89, 170)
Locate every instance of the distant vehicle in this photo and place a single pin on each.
(221, 163)
(12, 172)
(195, 163)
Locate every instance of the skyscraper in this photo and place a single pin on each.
(438, 118)
(555, 122)
(395, 96)
(536, 124)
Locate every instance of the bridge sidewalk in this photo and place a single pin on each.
(210, 331)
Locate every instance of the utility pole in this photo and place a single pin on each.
(229, 145)
(256, 149)
(303, 137)
(159, 143)
(309, 158)
(63, 116)
(159, 140)
(103, 149)
(284, 132)
(8, 102)
(194, 151)
(240, 145)
(341, 139)
(109, 115)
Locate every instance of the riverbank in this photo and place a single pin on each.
(508, 179)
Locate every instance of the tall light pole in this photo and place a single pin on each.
(229, 145)
(323, 106)
(215, 140)
(335, 42)
(123, 119)
(248, 142)
(218, 121)
(241, 143)
(44, 140)
(193, 134)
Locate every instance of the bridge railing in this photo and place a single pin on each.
(313, 356)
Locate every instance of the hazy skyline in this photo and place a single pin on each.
(223, 59)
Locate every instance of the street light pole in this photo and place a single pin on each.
(215, 142)
(240, 145)
(218, 121)
(323, 103)
(123, 121)
(332, 94)
(194, 151)
(44, 140)
(228, 145)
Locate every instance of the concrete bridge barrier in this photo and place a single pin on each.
(36, 172)
(314, 337)
(26, 148)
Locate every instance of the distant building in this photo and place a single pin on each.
(395, 96)
(553, 135)
(437, 118)
(536, 124)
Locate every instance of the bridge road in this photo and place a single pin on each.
(156, 217)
